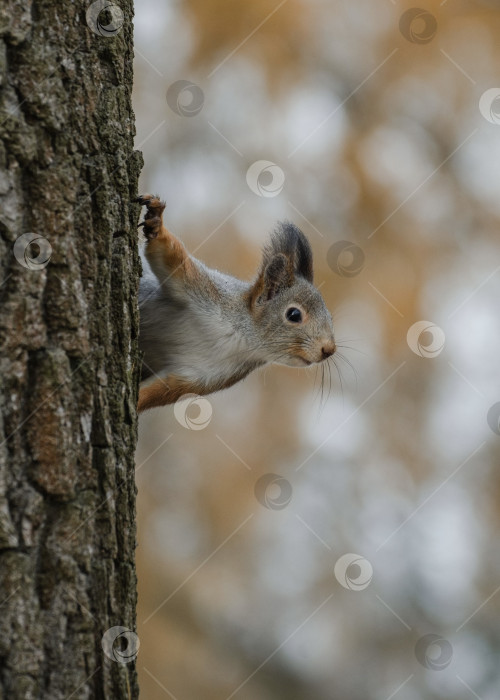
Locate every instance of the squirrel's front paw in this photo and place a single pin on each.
(153, 219)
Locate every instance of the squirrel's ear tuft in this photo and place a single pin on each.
(286, 256)
(275, 275)
(289, 240)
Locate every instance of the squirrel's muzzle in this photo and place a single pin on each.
(327, 350)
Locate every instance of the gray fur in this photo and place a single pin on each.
(210, 333)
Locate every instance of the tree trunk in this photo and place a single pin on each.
(68, 344)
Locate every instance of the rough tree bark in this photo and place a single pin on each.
(68, 346)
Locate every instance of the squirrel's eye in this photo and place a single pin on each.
(293, 315)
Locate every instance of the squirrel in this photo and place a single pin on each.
(202, 330)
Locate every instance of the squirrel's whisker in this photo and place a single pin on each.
(340, 379)
(341, 344)
(329, 378)
(342, 357)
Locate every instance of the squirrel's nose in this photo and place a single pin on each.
(328, 349)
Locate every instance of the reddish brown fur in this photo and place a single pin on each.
(165, 391)
(162, 244)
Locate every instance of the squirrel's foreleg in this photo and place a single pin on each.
(165, 253)
(174, 268)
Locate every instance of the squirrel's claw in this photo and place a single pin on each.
(151, 227)
(150, 199)
(152, 224)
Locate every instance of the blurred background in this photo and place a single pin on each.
(375, 127)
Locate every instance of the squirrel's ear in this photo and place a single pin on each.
(289, 240)
(276, 274)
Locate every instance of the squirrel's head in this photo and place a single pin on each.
(289, 312)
